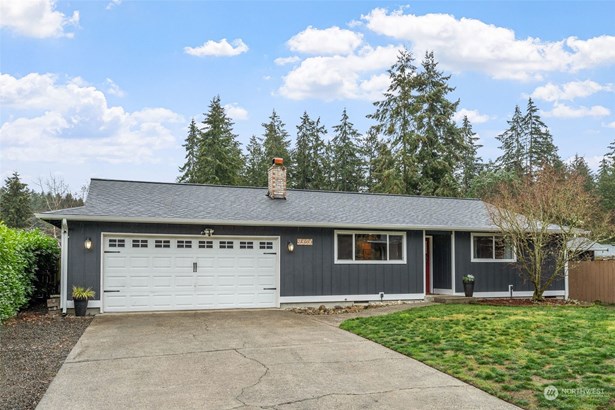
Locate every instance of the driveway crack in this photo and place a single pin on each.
(307, 399)
(243, 389)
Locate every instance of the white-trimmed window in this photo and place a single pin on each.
(492, 248)
(370, 247)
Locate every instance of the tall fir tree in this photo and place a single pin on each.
(276, 142)
(442, 145)
(308, 157)
(255, 168)
(387, 177)
(192, 149)
(471, 163)
(346, 161)
(579, 166)
(606, 179)
(512, 145)
(219, 159)
(370, 145)
(15, 204)
(540, 150)
(395, 116)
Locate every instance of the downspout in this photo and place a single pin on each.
(64, 267)
(566, 292)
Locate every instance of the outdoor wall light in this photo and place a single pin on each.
(290, 246)
(88, 244)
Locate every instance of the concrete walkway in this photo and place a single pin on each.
(245, 359)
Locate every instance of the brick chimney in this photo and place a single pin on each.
(277, 179)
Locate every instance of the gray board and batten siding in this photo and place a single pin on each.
(490, 278)
(308, 271)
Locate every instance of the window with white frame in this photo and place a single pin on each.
(492, 248)
(370, 247)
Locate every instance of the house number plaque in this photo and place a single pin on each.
(305, 242)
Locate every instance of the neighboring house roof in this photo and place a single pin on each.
(150, 202)
(587, 245)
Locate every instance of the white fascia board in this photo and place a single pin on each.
(186, 221)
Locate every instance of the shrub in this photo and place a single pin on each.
(23, 255)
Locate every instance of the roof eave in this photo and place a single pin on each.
(337, 225)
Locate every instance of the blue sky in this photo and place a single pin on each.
(107, 89)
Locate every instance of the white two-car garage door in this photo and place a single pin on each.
(149, 273)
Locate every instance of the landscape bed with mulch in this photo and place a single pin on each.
(529, 302)
(33, 347)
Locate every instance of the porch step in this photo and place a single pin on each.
(450, 299)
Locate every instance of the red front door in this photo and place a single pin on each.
(428, 265)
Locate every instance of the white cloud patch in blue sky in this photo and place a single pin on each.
(468, 44)
(332, 40)
(220, 48)
(36, 18)
(71, 122)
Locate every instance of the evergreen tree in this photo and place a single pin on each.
(606, 179)
(255, 169)
(309, 155)
(217, 157)
(471, 163)
(442, 145)
(513, 157)
(540, 150)
(15, 206)
(192, 148)
(370, 145)
(580, 167)
(395, 116)
(346, 161)
(387, 178)
(276, 141)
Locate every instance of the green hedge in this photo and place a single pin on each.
(25, 256)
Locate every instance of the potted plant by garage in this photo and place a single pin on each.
(80, 298)
(468, 285)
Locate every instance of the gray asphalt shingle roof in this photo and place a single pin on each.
(191, 203)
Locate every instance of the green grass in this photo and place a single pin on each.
(510, 352)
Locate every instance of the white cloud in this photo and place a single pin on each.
(236, 112)
(332, 40)
(564, 111)
(112, 4)
(569, 91)
(266, 77)
(286, 60)
(474, 116)
(36, 18)
(468, 44)
(610, 125)
(114, 89)
(220, 48)
(71, 122)
(354, 76)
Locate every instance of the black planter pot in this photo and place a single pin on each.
(81, 307)
(468, 288)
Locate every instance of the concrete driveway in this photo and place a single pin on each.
(245, 359)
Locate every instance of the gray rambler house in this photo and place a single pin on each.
(145, 246)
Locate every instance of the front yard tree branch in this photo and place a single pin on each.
(550, 219)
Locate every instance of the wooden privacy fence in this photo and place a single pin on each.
(592, 280)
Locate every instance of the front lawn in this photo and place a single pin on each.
(511, 352)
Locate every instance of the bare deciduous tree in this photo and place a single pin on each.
(550, 219)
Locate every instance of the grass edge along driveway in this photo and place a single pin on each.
(513, 353)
